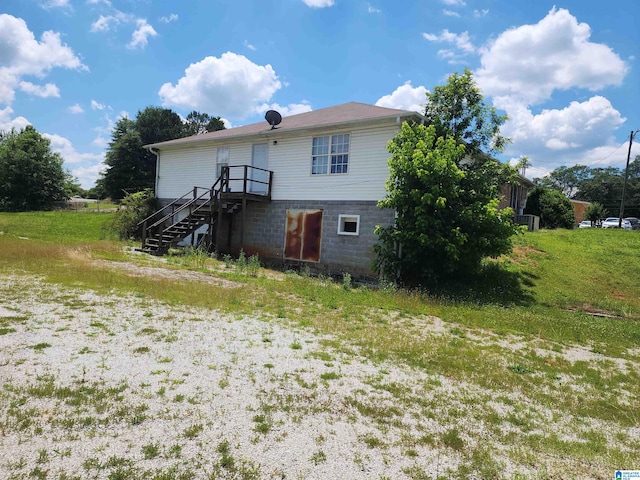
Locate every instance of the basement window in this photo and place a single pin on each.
(348, 224)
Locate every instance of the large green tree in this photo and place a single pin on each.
(442, 228)
(31, 175)
(565, 179)
(445, 188)
(553, 207)
(130, 167)
(198, 123)
(458, 109)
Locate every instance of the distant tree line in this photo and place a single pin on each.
(600, 184)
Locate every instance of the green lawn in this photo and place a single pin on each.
(557, 322)
(62, 227)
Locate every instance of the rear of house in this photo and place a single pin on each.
(309, 193)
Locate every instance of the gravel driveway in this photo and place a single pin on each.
(98, 386)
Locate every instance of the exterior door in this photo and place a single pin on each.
(259, 159)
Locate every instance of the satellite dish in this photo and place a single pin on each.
(273, 117)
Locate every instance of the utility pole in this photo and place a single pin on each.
(626, 175)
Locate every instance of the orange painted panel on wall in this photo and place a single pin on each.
(303, 235)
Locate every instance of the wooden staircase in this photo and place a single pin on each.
(163, 230)
(201, 206)
(158, 243)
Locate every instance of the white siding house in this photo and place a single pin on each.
(329, 171)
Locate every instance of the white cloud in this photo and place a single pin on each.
(452, 57)
(458, 3)
(288, 110)
(65, 148)
(480, 13)
(142, 32)
(96, 2)
(249, 46)
(525, 65)
(42, 91)
(97, 106)
(88, 175)
(104, 23)
(461, 41)
(531, 61)
(140, 36)
(21, 55)
(610, 154)
(170, 18)
(87, 166)
(405, 97)
(7, 123)
(319, 3)
(574, 134)
(450, 13)
(56, 4)
(100, 141)
(75, 109)
(372, 9)
(231, 86)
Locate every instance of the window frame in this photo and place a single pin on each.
(343, 218)
(219, 163)
(336, 156)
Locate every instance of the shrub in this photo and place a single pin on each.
(554, 208)
(134, 208)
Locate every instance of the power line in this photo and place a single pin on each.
(602, 160)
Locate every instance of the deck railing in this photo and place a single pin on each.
(235, 179)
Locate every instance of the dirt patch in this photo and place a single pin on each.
(133, 270)
(523, 255)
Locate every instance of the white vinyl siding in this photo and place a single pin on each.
(289, 159)
(181, 170)
(367, 172)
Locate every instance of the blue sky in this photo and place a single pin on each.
(566, 74)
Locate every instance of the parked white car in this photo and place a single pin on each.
(585, 224)
(614, 222)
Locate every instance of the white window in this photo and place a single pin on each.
(330, 154)
(348, 224)
(222, 159)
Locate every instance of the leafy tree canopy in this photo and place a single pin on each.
(565, 179)
(31, 175)
(598, 184)
(447, 222)
(198, 123)
(445, 189)
(594, 212)
(553, 207)
(458, 109)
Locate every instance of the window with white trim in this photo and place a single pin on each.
(348, 224)
(330, 154)
(222, 159)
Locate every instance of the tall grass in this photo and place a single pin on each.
(544, 295)
(548, 288)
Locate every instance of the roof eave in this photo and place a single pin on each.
(198, 141)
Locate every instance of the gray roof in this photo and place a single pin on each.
(347, 113)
